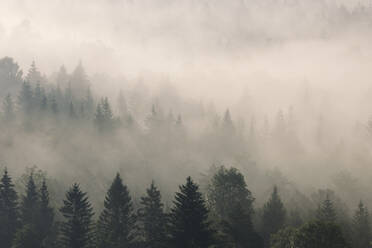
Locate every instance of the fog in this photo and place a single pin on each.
(280, 89)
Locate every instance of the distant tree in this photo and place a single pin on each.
(8, 108)
(104, 117)
(361, 228)
(10, 76)
(76, 229)
(54, 105)
(274, 215)
(153, 219)
(227, 122)
(189, 226)
(8, 210)
(72, 112)
(34, 76)
(79, 80)
(25, 98)
(117, 221)
(326, 211)
(62, 77)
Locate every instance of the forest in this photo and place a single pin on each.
(185, 124)
(136, 174)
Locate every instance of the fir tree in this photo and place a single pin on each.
(326, 211)
(76, 230)
(273, 217)
(361, 228)
(152, 218)
(8, 210)
(189, 226)
(117, 221)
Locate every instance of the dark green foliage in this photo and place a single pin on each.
(284, 238)
(30, 203)
(189, 227)
(320, 234)
(76, 230)
(273, 217)
(326, 211)
(152, 219)
(316, 234)
(227, 189)
(8, 210)
(116, 223)
(46, 221)
(361, 228)
(239, 230)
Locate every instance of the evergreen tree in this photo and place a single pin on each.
(30, 202)
(76, 230)
(320, 234)
(326, 211)
(29, 235)
(72, 113)
(189, 227)
(239, 229)
(361, 228)
(8, 108)
(152, 218)
(46, 221)
(8, 211)
(25, 98)
(273, 217)
(34, 76)
(117, 221)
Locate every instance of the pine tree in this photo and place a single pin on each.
(273, 217)
(326, 211)
(189, 227)
(72, 113)
(76, 230)
(8, 210)
(361, 228)
(117, 221)
(34, 76)
(152, 218)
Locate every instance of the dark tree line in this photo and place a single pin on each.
(221, 218)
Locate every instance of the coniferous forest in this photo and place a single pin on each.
(185, 124)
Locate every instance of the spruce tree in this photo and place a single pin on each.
(152, 218)
(30, 203)
(239, 230)
(117, 220)
(46, 221)
(273, 217)
(8, 211)
(76, 230)
(326, 211)
(189, 226)
(361, 228)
